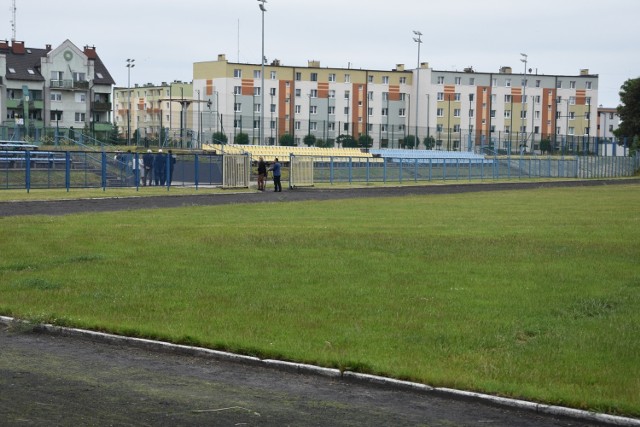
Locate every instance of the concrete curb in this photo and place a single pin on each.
(306, 369)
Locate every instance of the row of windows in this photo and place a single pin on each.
(507, 82)
(237, 73)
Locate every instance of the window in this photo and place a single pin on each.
(440, 112)
(55, 115)
(507, 114)
(572, 84)
(559, 84)
(492, 113)
(538, 83)
(55, 96)
(332, 77)
(370, 78)
(385, 112)
(385, 80)
(313, 93)
(273, 75)
(458, 80)
(588, 100)
(297, 126)
(370, 96)
(237, 123)
(237, 73)
(471, 113)
(237, 90)
(537, 114)
(332, 93)
(440, 80)
(313, 109)
(370, 111)
(346, 110)
(332, 110)
(272, 91)
(472, 81)
(403, 96)
(456, 96)
(402, 112)
(507, 82)
(347, 78)
(572, 130)
(572, 100)
(313, 126)
(314, 77)
(272, 108)
(456, 112)
(30, 71)
(523, 114)
(256, 74)
(237, 107)
(298, 93)
(494, 82)
(256, 108)
(524, 82)
(80, 117)
(403, 80)
(298, 76)
(298, 109)
(439, 127)
(257, 91)
(588, 85)
(440, 96)
(81, 97)
(572, 115)
(456, 128)
(471, 97)
(385, 96)
(347, 94)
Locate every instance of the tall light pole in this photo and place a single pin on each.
(130, 65)
(262, 8)
(524, 102)
(418, 40)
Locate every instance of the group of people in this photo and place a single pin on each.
(263, 171)
(151, 168)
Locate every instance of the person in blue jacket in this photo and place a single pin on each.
(159, 168)
(275, 168)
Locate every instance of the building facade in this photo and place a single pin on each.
(63, 87)
(608, 122)
(455, 110)
(152, 112)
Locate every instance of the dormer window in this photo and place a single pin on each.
(12, 70)
(30, 71)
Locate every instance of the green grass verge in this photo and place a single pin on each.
(532, 294)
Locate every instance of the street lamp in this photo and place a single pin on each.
(524, 101)
(262, 8)
(418, 40)
(130, 65)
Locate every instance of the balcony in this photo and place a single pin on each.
(69, 84)
(101, 106)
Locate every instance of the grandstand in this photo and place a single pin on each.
(429, 156)
(270, 152)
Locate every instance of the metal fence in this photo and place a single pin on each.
(36, 169)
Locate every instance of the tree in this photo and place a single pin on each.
(309, 140)
(629, 110)
(219, 138)
(409, 141)
(365, 141)
(242, 138)
(429, 142)
(346, 141)
(287, 140)
(545, 145)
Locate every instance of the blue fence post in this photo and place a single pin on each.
(103, 171)
(196, 170)
(27, 170)
(67, 170)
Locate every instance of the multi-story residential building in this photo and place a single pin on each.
(608, 122)
(65, 87)
(455, 109)
(323, 102)
(142, 111)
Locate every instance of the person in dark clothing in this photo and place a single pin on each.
(147, 161)
(159, 168)
(172, 162)
(275, 167)
(262, 174)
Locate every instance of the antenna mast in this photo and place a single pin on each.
(13, 21)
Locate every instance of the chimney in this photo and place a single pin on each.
(48, 48)
(505, 70)
(4, 44)
(222, 57)
(90, 51)
(17, 47)
(584, 72)
(424, 65)
(399, 67)
(314, 64)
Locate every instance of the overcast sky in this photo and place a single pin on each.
(166, 37)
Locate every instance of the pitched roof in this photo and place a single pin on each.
(23, 63)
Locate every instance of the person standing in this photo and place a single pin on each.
(159, 165)
(275, 168)
(147, 160)
(172, 162)
(262, 174)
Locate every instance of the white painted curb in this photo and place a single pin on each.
(301, 368)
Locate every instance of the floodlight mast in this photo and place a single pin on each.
(418, 40)
(262, 60)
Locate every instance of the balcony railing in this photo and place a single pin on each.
(101, 106)
(69, 84)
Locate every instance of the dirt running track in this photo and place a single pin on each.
(53, 380)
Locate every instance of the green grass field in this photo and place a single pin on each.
(529, 294)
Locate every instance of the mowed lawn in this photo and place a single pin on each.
(529, 294)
